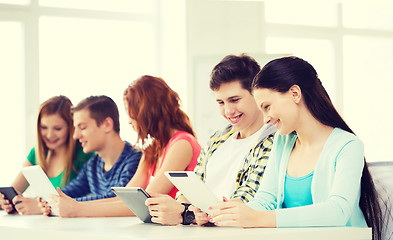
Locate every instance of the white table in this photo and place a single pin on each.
(54, 228)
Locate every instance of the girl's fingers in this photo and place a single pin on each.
(226, 224)
(222, 211)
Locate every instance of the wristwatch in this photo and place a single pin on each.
(188, 216)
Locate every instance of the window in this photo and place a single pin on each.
(16, 2)
(367, 93)
(349, 44)
(75, 48)
(362, 15)
(133, 6)
(301, 12)
(12, 100)
(83, 57)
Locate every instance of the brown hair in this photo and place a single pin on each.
(100, 107)
(60, 105)
(242, 68)
(156, 109)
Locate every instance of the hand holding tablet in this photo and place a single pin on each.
(40, 184)
(9, 194)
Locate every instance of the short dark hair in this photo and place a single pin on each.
(231, 68)
(100, 107)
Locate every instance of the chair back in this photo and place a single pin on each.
(382, 173)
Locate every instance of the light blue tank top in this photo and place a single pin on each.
(297, 191)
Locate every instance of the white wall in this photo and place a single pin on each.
(214, 30)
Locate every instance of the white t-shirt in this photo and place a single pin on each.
(223, 166)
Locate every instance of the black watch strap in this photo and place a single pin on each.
(188, 216)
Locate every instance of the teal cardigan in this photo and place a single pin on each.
(335, 187)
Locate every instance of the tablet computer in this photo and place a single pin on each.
(134, 198)
(193, 188)
(40, 183)
(9, 194)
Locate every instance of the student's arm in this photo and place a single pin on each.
(236, 213)
(141, 175)
(250, 182)
(109, 207)
(199, 169)
(26, 206)
(173, 208)
(177, 158)
(65, 205)
(68, 207)
(163, 208)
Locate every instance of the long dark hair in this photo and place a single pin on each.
(280, 75)
(156, 109)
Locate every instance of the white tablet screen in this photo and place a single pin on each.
(193, 188)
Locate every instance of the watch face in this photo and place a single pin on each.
(188, 217)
